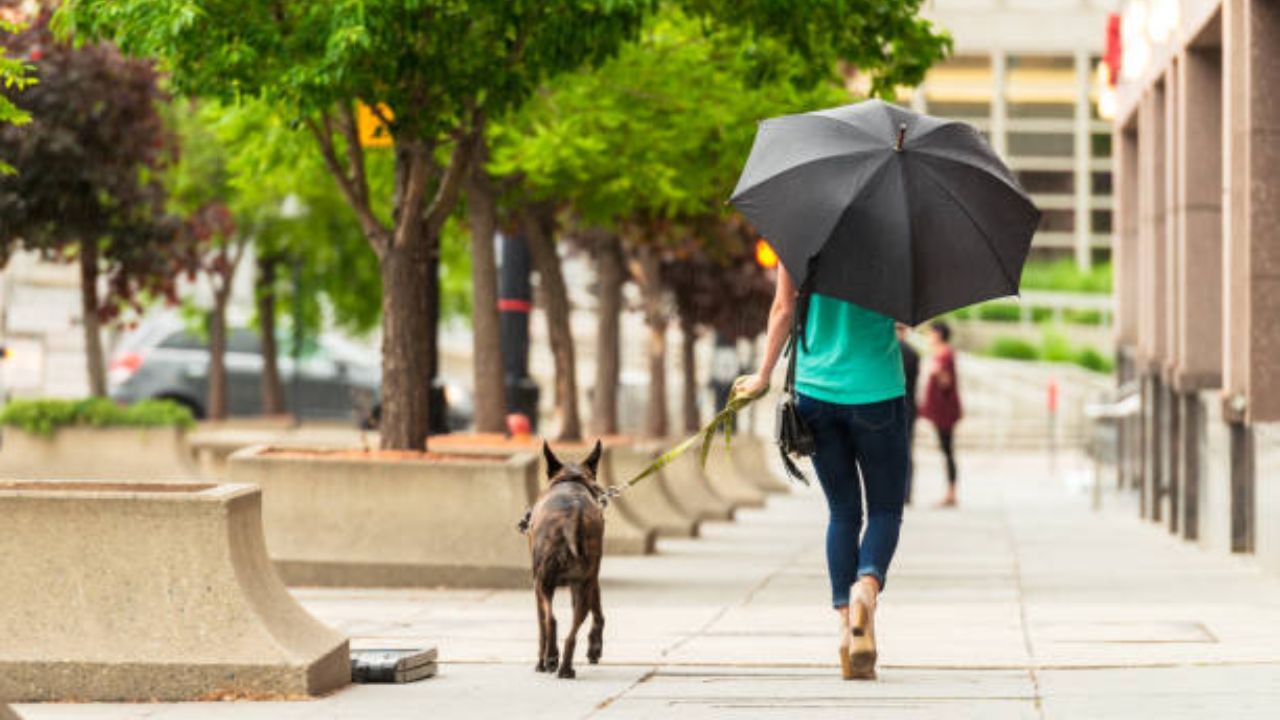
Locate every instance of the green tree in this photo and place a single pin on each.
(14, 75)
(432, 70)
(87, 183)
(646, 148)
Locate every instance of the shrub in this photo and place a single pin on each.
(1082, 317)
(1013, 348)
(1090, 359)
(1056, 348)
(1000, 312)
(1063, 275)
(44, 417)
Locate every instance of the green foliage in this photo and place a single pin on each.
(887, 40)
(15, 74)
(658, 132)
(1065, 276)
(1054, 347)
(45, 417)
(1013, 348)
(1090, 359)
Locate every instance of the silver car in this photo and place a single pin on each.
(338, 381)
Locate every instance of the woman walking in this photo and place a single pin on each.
(942, 401)
(850, 392)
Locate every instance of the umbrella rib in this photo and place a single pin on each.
(986, 237)
(801, 166)
(933, 153)
(850, 126)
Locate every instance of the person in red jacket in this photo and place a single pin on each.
(942, 400)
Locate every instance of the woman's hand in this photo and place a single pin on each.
(750, 386)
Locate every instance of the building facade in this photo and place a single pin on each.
(1024, 74)
(1197, 256)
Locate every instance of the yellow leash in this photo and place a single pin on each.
(722, 422)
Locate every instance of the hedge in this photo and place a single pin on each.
(46, 416)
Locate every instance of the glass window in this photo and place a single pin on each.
(1048, 182)
(1100, 221)
(1101, 183)
(183, 340)
(243, 340)
(1025, 144)
(1101, 145)
(1058, 221)
(1041, 110)
(957, 109)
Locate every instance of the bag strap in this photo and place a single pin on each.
(798, 337)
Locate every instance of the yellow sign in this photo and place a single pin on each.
(373, 132)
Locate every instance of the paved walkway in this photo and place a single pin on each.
(1021, 604)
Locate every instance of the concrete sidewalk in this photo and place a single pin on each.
(1020, 604)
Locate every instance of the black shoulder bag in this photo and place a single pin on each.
(794, 436)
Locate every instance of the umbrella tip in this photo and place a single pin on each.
(902, 135)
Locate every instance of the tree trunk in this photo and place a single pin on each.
(490, 390)
(93, 355)
(656, 320)
(217, 400)
(406, 334)
(539, 230)
(610, 276)
(688, 365)
(272, 388)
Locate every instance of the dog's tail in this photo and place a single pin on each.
(573, 534)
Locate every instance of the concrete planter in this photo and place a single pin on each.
(132, 591)
(650, 500)
(730, 482)
(624, 532)
(134, 454)
(373, 522)
(687, 485)
(747, 453)
(7, 714)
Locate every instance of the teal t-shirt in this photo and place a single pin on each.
(853, 355)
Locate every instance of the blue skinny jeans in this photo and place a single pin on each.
(871, 438)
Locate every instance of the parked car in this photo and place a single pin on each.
(339, 380)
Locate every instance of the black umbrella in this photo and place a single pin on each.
(905, 214)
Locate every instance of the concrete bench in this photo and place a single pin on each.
(333, 518)
(133, 454)
(133, 591)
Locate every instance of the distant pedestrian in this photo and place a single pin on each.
(942, 400)
(911, 368)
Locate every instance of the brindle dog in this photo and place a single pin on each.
(566, 540)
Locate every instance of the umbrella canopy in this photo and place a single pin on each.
(905, 214)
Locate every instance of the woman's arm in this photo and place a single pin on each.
(781, 315)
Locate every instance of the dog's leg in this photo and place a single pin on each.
(550, 650)
(595, 641)
(580, 603)
(541, 602)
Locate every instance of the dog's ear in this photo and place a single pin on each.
(592, 462)
(553, 462)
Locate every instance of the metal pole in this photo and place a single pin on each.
(296, 381)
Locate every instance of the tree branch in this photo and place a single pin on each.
(450, 183)
(414, 194)
(355, 153)
(375, 232)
